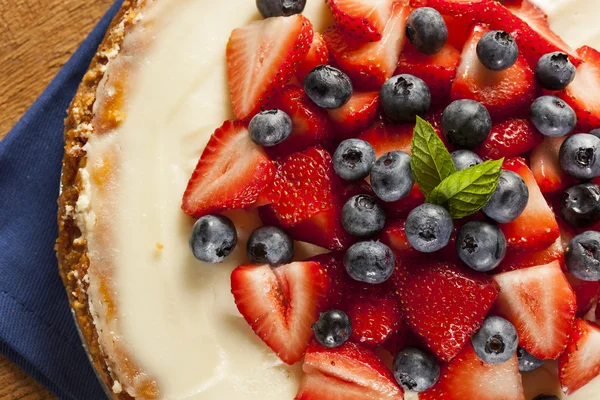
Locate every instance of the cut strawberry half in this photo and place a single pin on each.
(363, 20)
(581, 362)
(349, 372)
(541, 304)
(359, 113)
(536, 228)
(281, 304)
(262, 57)
(467, 377)
(394, 236)
(389, 138)
(518, 259)
(310, 123)
(581, 94)
(586, 292)
(438, 70)
(399, 340)
(443, 304)
(545, 166)
(232, 173)
(369, 65)
(503, 93)
(510, 138)
(317, 55)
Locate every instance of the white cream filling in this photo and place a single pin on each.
(175, 313)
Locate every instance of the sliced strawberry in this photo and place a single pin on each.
(232, 173)
(349, 372)
(400, 339)
(262, 57)
(504, 93)
(356, 115)
(510, 138)
(388, 138)
(518, 259)
(310, 122)
(443, 304)
(438, 70)
(536, 228)
(541, 304)
(581, 94)
(581, 362)
(546, 167)
(394, 236)
(586, 292)
(458, 31)
(467, 377)
(281, 304)
(341, 284)
(317, 55)
(369, 65)
(363, 20)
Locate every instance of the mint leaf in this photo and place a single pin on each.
(430, 161)
(466, 192)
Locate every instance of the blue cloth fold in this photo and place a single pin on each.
(37, 330)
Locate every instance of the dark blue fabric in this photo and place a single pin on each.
(37, 331)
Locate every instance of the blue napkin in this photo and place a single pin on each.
(37, 331)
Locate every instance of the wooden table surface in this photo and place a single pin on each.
(36, 38)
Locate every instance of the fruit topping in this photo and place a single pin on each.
(429, 228)
(586, 292)
(333, 328)
(541, 304)
(510, 138)
(527, 362)
(580, 363)
(580, 94)
(362, 216)
(370, 262)
(545, 165)
(232, 173)
(481, 245)
(353, 159)
(554, 71)
(213, 238)
(278, 8)
(328, 87)
(496, 342)
(363, 20)
(582, 256)
(497, 50)
(391, 176)
(580, 156)
(525, 259)
(426, 30)
(580, 205)
(270, 245)
(262, 57)
(403, 97)
(509, 200)
(466, 123)
(317, 55)
(552, 116)
(464, 159)
(357, 115)
(415, 370)
(269, 128)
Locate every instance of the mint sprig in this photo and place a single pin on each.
(430, 161)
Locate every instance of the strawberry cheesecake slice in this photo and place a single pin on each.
(338, 200)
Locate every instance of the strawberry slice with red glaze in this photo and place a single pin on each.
(262, 57)
(580, 363)
(443, 303)
(369, 65)
(536, 228)
(510, 138)
(518, 259)
(541, 304)
(467, 377)
(358, 114)
(503, 93)
(581, 94)
(387, 138)
(232, 173)
(310, 125)
(545, 166)
(438, 70)
(349, 372)
(363, 20)
(281, 304)
(318, 54)
(586, 292)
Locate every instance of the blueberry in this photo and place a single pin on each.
(546, 397)
(271, 245)
(554, 71)
(496, 342)
(362, 216)
(582, 256)
(426, 30)
(429, 228)
(353, 159)
(580, 156)
(595, 132)
(464, 159)
(509, 200)
(552, 116)
(466, 123)
(333, 328)
(481, 246)
(269, 128)
(213, 238)
(580, 205)
(328, 87)
(280, 8)
(370, 262)
(415, 370)
(497, 50)
(391, 176)
(403, 97)
(527, 362)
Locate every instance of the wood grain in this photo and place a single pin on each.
(36, 38)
